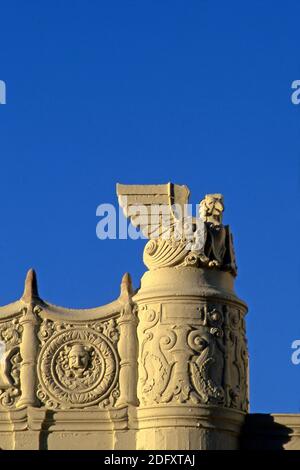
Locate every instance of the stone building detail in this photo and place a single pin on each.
(161, 367)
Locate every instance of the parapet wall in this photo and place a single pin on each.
(143, 372)
(66, 371)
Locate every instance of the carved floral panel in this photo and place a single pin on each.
(204, 361)
(10, 362)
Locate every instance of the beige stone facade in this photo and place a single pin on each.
(164, 367)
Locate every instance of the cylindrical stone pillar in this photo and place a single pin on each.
(192, 384)
(127, 349)
(28, 350)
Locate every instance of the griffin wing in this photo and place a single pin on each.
(155, 209)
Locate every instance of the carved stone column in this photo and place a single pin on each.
(28, 349)
(29, 344)
(192, 360)
(127, 346)
(192, 376)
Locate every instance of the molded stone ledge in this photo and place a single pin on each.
(187, 282)
(210, 417)
(197, 427)
(13, 420)
(37, 419)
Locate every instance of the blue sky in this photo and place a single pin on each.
(198, 93)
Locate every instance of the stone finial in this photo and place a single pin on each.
(31, 287)
(126, 287)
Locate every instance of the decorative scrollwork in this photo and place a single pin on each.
(10, 363)
(207, 367)
(10, 333)
(10, 378)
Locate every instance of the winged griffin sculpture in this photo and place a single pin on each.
(176, 238)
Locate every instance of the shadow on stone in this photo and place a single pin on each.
(262, 432)
(47, 422)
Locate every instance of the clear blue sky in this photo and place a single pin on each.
(196, 92)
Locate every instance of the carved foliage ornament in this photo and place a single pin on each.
(77, 367)
(10, 363)
(10, 378)
(10, 333)
(207, 367)
(108, 328)
(193, 363)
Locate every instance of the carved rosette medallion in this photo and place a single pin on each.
(76, 368)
